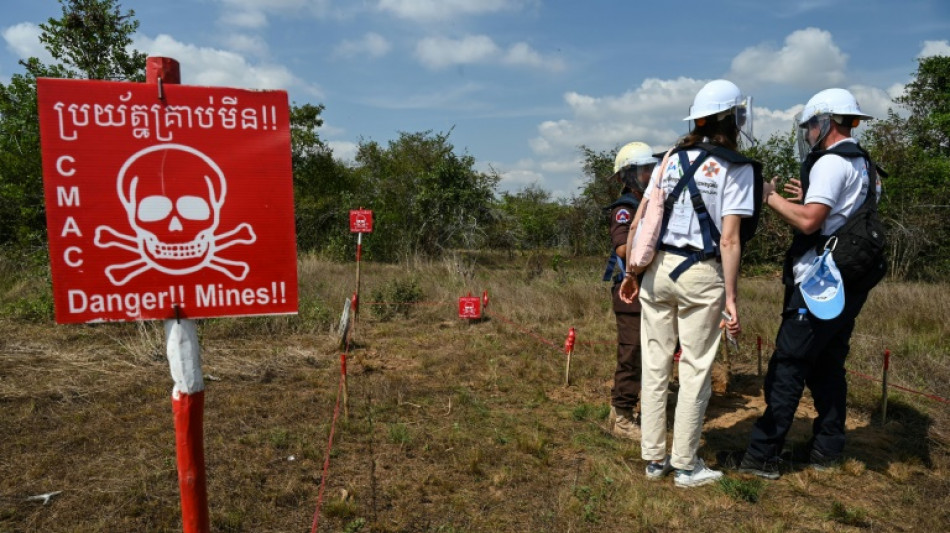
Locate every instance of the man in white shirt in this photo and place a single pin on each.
(810, 351)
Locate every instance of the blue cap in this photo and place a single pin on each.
(822, 288)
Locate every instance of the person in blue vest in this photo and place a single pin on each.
(632, 168)
(693, 279)
(836, 177)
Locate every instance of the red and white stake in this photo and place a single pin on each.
(569, 349)
(184, 361)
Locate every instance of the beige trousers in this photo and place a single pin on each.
(689, 309)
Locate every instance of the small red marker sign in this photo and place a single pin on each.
(470, 307)
(361, 221)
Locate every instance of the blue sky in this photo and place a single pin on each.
(523, 83)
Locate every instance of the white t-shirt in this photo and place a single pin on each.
(726, 189)
(841, 183)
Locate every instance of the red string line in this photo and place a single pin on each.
(326, 459)
(771, 346)
(523, 330)
(402, 303)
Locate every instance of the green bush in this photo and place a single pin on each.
(394, 298)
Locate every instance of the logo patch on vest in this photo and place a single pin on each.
(710, 169)
(622, 216)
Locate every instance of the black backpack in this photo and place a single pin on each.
(859, 246)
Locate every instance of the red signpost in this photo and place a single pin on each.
(161, 196)
(470, 307)
(361, 221)
(167, 201)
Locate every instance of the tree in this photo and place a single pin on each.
(915, 151)
(534, 218)
(94, 38)
(586, 222)
(767, 249)
(91, 39)
(425, 197)
(323, 187)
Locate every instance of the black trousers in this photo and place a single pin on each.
(625, 393)
(810, 353)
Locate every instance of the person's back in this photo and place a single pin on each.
(692, 279)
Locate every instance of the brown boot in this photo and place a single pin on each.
(623, 424)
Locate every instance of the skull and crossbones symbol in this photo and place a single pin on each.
(173, 195)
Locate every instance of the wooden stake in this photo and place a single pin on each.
(887, 364)
(758, 342)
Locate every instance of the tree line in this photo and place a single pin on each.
(428, 197)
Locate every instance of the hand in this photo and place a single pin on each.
(629, 289)
(733, 328)
(793, 188)
(768, 187)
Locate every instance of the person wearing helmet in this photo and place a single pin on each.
(632, 168)
(694, 276)
(836, 179)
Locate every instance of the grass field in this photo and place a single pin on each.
(453, 426)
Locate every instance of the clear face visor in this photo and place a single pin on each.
(741, 112)
(743, 115)
(811, 132)
(636, 177)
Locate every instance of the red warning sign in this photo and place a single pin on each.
(470, 307)
(361, 221)
(153, 204)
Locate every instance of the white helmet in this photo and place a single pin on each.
(633, 165)
(635, 153)
(839, 102)
(717, 96)
(821, 109)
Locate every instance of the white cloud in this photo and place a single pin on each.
(520, 54)
(431, 10)
(371, 45)
(513, 180)
(213, 67)
(651, 113)
(250, 44)
(252, 14)
(250, 20)
(23, 39)
(769, 122)
(935, 48)
(874, 101)
(441, 52)
(810, 59)
(344, 150)
(648, 113)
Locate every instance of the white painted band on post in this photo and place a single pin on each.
(184, 356)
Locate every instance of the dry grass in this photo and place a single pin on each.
(453, 426)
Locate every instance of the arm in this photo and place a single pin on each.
(807, 218)
(731, 250)
(629, 288)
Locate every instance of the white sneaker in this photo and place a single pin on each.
(656, 470)
(700, 475)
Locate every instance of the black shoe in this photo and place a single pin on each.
(821, 462)
(743, 463)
